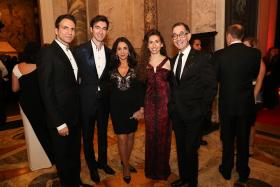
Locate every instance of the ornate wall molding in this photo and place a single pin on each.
(20, 20)
(150, 15)
(78, 9)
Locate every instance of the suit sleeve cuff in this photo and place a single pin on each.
(61, 126)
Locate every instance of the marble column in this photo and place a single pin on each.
(150, 15)
(78, 9)
(49, 11)
(47, 25)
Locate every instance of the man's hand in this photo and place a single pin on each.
(64, 131)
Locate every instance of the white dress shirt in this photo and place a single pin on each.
(99, 58)
(184, 59)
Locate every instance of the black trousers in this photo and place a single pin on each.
(99, 117)
(236, 128)
(207, 123)
(67, 156)
(187, 141)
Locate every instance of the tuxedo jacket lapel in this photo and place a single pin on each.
(188, 63)
(90, 58)
(173, 79)
(62, 55)
(64, 58)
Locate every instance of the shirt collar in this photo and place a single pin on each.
(62, 45)
(187, 50)
(94, 46)
(235, 42)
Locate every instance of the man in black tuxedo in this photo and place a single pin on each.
(93, 58)
(193, 86)
(236, 66)
(59, 86)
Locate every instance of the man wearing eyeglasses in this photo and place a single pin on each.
(93, 58)
(193, 86)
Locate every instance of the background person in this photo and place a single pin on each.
(3, 74)
(252, 42)
(25, 80)
(236, 67)
(196, 44)
(271, 79)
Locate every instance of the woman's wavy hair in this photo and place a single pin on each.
(132, 57)
(145, 52)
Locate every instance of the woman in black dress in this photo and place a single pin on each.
(25, 81)
(126, 100)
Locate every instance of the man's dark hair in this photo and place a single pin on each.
(181, 24)
(64, 16)
(236, 31)
(99, 18)
(193, 38)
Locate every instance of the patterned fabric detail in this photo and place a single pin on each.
(123, 82)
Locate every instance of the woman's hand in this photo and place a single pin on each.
(138, 114)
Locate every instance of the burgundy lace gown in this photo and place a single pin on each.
(158, 124)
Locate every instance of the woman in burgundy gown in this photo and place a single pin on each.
(157, 122)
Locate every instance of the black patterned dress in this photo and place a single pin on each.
(126, 98)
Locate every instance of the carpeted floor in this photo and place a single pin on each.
(265, 163)
(271, 117)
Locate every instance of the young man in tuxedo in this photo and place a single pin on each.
(93, 58)
(236, 67)
(59, 86)
(193, 86)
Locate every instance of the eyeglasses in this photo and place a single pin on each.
(180, 35)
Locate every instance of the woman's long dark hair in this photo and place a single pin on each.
(145, 52)
(268, 55)
(131, 59)
(30, 52)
